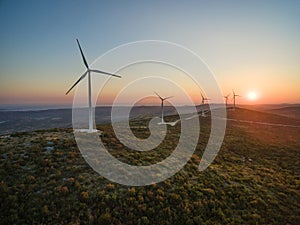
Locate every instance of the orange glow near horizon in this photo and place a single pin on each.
(255, 87)
(57, 97)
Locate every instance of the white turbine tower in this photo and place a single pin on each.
(162, 106)
(202, 105)
(226, 99)
(234, 95)
(88, 72)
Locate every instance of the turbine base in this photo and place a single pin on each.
(88, 131)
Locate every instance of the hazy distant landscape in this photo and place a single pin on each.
(29, 119)
(12, 121)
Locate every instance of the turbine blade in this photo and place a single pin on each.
(168, 97)
(84, 60)
(111, 74)
(77, 82)
(158, 95)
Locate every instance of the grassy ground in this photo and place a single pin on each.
(254, 179)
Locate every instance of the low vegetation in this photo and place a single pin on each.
(254, 179)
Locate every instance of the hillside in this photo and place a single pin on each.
(291, 111)
(287, 110)
(254, 179)
(268, 128)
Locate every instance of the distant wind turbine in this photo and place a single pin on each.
(234, 95)
(88, 72)
(202, 105)
(162, 105)
(226, 99)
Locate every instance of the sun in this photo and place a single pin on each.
(252, 96)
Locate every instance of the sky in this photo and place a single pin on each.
(252, 47)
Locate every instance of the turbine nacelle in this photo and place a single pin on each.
(88, 71)
(235, 95)
(226, 96)
(161, 98)
(204, 99)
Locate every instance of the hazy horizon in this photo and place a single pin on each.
(40, 107)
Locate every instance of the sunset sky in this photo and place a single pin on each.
(252, 47)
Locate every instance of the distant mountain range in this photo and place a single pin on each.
(22, 119)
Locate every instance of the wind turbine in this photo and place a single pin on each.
(226, 99)
(202, 105)
(234, 95)
(88, 72)
(162, 105)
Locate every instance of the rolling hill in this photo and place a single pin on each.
(289, 111)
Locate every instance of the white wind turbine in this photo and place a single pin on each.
(162, 106)
(234, 95)
(88, 72)
(226, 99)
(202, 105)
